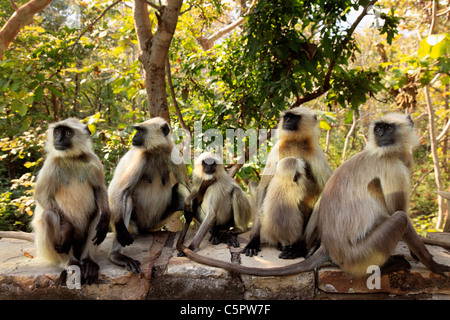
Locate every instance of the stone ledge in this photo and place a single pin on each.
(166, 276)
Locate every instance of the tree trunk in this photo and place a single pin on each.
(23, 16)
(433, 141)
(154, 49)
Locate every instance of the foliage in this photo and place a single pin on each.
(54, 69)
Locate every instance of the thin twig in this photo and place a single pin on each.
(87, 28)
(172, 94)
(326, 82)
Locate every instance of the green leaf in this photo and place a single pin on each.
(38, 93)
(53, 90)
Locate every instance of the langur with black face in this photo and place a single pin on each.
(362, 214)
(217, 201)
(72, 211)
(298, 138)
(147, 188)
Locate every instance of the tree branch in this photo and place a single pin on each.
(22, 17)
(172, 94)
(89, 26)
(326, 82)
(15, 7)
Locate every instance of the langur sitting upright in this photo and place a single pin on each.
(72, 211)
(298, 138)
(146, 189)
(217, 202)
(289, 201)
(362, 214)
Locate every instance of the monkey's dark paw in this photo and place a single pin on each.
(292, 252)
(395, 263)
(89, 271)
(124, 238)
(224, 237)
(181, 254)
(251, 250)
(99, 236)
(101, 231)
(253, 247)
(126, 262)
(63, 248)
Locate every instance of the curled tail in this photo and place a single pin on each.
(315, 261)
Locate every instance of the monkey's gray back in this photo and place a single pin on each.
(347, 212)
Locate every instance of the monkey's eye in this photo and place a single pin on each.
(57, 132)
(69, 133)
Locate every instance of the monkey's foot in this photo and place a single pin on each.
(224, 237)
(293, 251)
(89, 271)
(395, 263)
(126, 262)
(253, 247)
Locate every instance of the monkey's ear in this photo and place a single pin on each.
(165, 129)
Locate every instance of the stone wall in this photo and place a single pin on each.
(166, 276)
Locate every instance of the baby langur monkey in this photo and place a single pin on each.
(362, 214)
(72, 211)
(147, 188)
(299, 138)
(217, 201)
(290, 198)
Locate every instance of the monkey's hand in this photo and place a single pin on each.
(101, 229)
(63, 247)
(122, 234)
(253, 247)
(189, 207)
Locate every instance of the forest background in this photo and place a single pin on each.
(230, 64)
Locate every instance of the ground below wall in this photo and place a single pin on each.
(166, 276)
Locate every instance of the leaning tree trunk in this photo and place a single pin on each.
(22, 17)
(153, 49)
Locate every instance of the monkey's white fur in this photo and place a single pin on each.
(218, 196)
(75, 199)
(282, 221)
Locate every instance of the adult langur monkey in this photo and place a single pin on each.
(298, 138)
(362, 214)
(289, 201)
(217, 201)
(72, 211)
(146, 189)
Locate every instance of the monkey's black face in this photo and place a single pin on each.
(209, 166)
(384, 133)
(297, 176)
(139, 137)
(291, 121)
(62, 138)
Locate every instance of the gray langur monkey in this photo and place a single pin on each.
(147, 187)
(362, 213)
(72, 212)
(288, 204)
(217, 201)
(298, 138)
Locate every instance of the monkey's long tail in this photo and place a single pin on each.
(315, 261)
